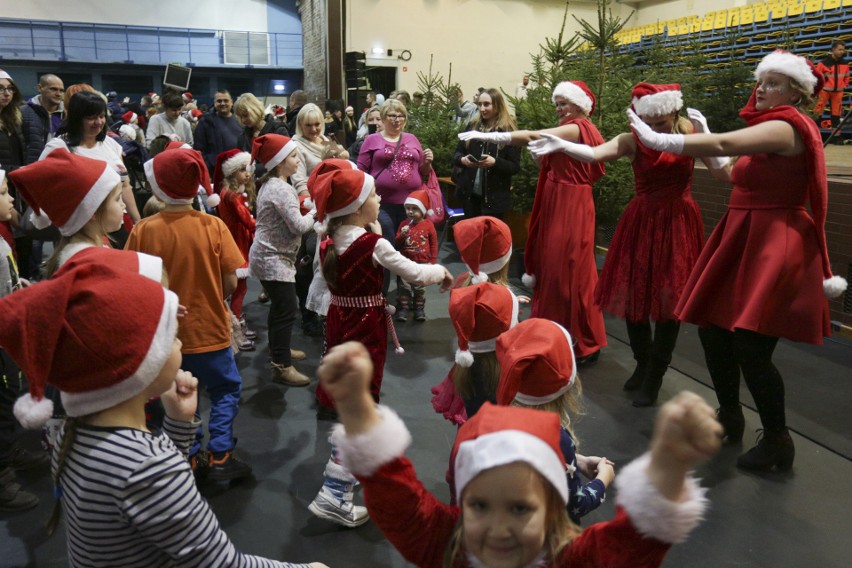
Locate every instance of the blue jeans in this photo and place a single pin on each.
(217, 371)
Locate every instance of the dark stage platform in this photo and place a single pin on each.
(794, 520)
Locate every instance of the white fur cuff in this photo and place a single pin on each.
(364, 454)
(653, 515)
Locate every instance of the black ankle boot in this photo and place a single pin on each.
(733, 421)
(647, 393)
(640, 343)
(774, 450)
(638, 377)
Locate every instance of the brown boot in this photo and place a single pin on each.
(289, 376)
(297, 355)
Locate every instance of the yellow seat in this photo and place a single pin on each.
(813, 6)
(721, 20)
(761, 13)
(707, 22)
(695, 25)
(831, 5)
(683, 29)
(733, 18)
(795, 9)
(661, 27)
(682, 21)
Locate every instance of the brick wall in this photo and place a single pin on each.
(314, 48)
(712, 197)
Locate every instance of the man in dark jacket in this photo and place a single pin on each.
(217, 130)
(298, 99)
(41, 116)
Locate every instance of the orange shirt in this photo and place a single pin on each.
(197, 250)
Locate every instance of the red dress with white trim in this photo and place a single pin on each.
(235, 212)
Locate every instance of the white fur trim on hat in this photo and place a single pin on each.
(150, 266)
(235, 163)
(2, 175)
(213, 200)
(4, 75)
(504, 447)
(834, 286)
(497, 264)
(478, 278)
(89, 205)
(528, 280)
(281, 155)
(83, 403)
(573, 93)
(366, 189)
(419, 204)
(40, 221)
(464, 358)
(786, 63)
(363, 454)
(31, 413)
(155, 187)
(658, 104)
(530, 400)
(653, 515)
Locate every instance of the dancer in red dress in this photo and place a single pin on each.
(658, 238)
(560, 250)
(765, 270)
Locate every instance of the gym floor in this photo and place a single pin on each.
(794, 519)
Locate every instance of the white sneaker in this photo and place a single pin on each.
(345, 513)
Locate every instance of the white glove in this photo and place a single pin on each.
(700, 124)
(662, 142)
(497, 137)
(548, 144)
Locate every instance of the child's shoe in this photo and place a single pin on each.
(200, 464)
(334, 501)
(288, 376)
(12, 496)
(297, 355)
(420, 309)
(402, 308)
(249, 333)
(224, 466)
(245, 344)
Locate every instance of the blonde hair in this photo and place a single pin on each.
(559, 530)
(392, 105)
(248, 188)
(306, 113)
(568, 405)
(249, 105)
(807, 98)
(500, 277)
(153, 206)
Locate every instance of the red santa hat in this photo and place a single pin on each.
(502, 435)
(576, 92)
(278, 111)
(177, 145)
(79, 254)
(341, 192)
(70, 324)
(187, 97)
(130, 117)
(176, 176)
(227, 164)
(195, 114)
(480, 314)
(420, 199)
(794, 66)
(485, 245)
(65, 189)
(656, 100)
(536, 363)
(271, 149)
(324, 167)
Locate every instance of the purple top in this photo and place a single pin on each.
(402, 176)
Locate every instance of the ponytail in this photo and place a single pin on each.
(69, 433)
(329, 263)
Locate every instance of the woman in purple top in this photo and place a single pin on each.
(398, 163)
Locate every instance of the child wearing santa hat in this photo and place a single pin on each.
(202, 259)
(505, 456)
(353, 263)
(538, 370)
(272, 258)
(417, 240)
(659, 236)
(233, 180)
(114, 479)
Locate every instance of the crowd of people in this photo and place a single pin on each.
(322, 220)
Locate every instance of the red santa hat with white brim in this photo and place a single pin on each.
(178, 175)
(65, 189)
(485, 245)
(657, 100)
(130, 117)
(78, 254)
(271, 149)
(794, 66)
(576, 92)
(227, 164)
(480, 313)
(341, 192)
(420, 199)
(503, 435)
(324, 167)
(537, 363)
(78, 315)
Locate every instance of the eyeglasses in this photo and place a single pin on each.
(9, 89)
(395, 117)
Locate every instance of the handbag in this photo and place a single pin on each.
(436, 198)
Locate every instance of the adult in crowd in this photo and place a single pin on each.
(465, 110)
(397, 162)
(42, 115)
(522, 88)
(298, 99)
(255, 122)
(487, 167)
(350, 127)
(12, 158)
(218, 130)
(560, 250)
(373, 125)
(114, 108)
(84, 132)
(313, 146)
(170, 121)
(764, 272)
(835, 73)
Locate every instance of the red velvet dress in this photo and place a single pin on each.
(234, 211)
(763, 266)
(656, 243)
(560, 251)
(357, 278)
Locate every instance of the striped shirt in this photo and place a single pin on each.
(129, 499)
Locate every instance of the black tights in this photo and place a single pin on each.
(729, 352)
(282, 311)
